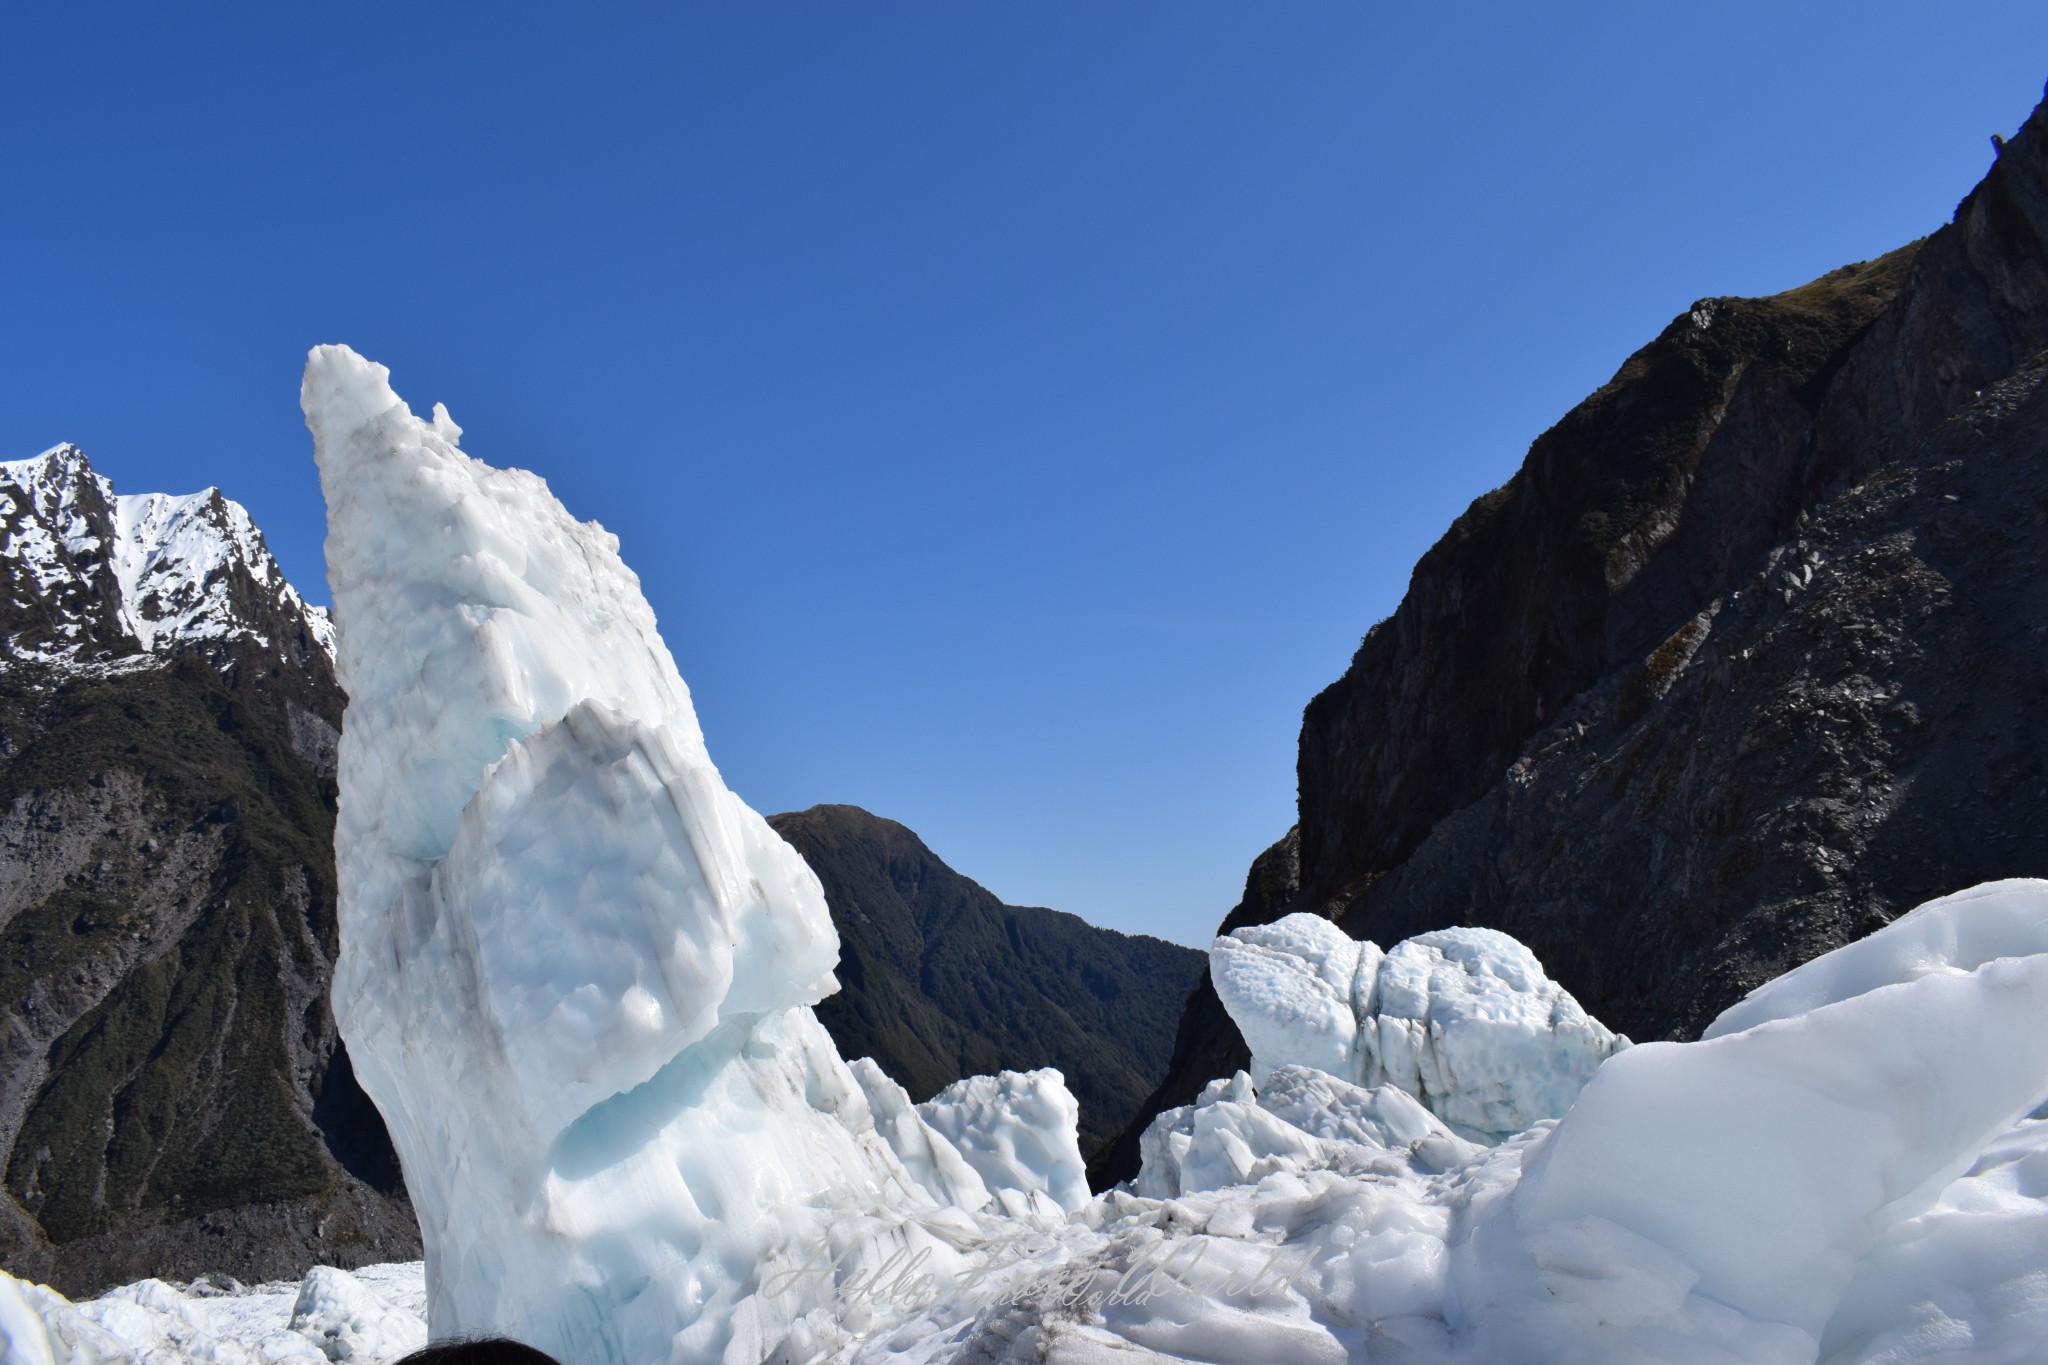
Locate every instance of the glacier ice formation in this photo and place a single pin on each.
(577, 975)
(1020, 1131)
(331, 1317)
(1463, 1019)
(576, 971)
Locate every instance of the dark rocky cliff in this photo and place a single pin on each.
(1746, 659)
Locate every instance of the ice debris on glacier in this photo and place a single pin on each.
(1236, 1133)
(1856, 1182)
(1465, 1020)
(331, 1317)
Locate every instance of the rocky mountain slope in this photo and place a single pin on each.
(939, 979)
(1747, 658)
(173, 1096)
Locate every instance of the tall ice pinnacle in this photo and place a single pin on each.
(575, 969)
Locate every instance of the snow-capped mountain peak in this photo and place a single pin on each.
(175, 558)
(91, 579)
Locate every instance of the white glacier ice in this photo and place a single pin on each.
(557, 917)
(1369, 1258)
(1965, 1281)
(1463, 1019)
(1236, 1133)
(1950, 936)
(932, 1162)
(1019, 1130)
(332, 1317)
(1758, 1168)
(576, 970)
(348, 1321)
(24, 1335)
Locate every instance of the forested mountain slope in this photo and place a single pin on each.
(939, 979)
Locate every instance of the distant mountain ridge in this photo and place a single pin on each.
(95, 579)
(939, 979)
(1747, 659)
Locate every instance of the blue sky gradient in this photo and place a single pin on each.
(1015, 412)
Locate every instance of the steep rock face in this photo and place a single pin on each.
(1661, 487)
(940, 980)
(173, 1097)
(1734, 668)
(1858, 727)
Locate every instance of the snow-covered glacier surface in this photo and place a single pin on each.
(577, 978)
(1858, 1181)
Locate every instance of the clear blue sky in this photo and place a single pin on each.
(1016, 411)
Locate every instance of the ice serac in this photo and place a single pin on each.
(577, 976)
(1463, 1019)
(1019, 1130)
(575, 969)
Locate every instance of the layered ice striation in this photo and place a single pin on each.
(1463, 1019)
(576, 971)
